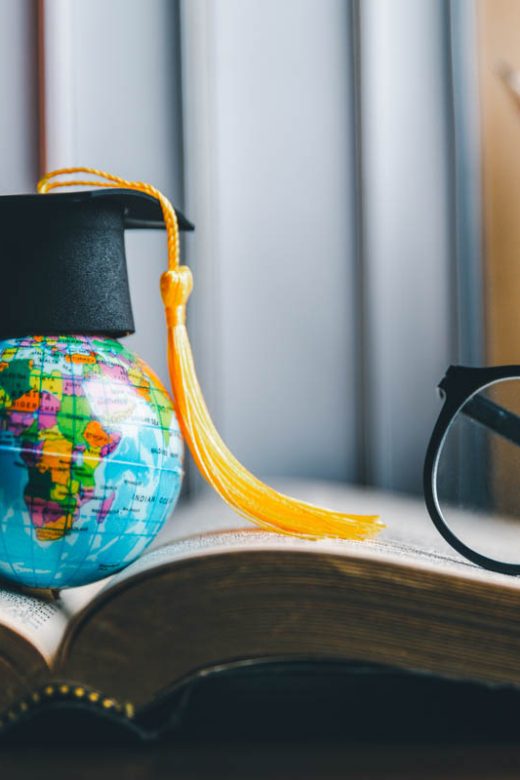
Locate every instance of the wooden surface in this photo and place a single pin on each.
(267, 760)
(499, 44)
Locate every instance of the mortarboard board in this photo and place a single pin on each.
(63, 263)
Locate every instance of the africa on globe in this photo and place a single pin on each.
(90, 459)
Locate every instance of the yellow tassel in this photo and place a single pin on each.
(246, 494)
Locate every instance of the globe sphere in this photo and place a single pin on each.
(90, 459)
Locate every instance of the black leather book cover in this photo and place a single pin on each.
(273, 700)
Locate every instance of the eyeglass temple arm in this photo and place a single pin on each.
(493, 416)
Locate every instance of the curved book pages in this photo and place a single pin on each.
(216, 591)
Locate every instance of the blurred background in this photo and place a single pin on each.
(352, 170)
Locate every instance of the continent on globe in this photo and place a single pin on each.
(90, 459)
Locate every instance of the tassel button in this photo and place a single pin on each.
(176, 287)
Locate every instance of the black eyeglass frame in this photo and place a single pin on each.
(457, 387)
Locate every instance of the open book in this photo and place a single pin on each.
(216, 591)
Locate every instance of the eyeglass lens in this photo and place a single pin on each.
(478, 474)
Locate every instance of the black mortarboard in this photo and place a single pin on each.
(62, 261)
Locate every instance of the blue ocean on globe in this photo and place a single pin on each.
(90, 459)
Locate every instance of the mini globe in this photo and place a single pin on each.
(90, 459)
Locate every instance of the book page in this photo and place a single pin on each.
(208, 526)
(73, 600)
(406, 519)
(41, 621)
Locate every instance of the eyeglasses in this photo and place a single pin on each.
(472, 466)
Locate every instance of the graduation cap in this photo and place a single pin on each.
(63, 263)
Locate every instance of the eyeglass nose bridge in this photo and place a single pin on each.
(461, 381)
(459, 388)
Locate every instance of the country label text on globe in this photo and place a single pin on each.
(90, 459)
